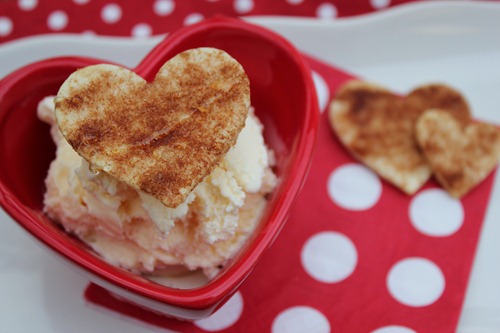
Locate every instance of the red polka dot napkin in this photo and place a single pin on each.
(356, 255)
(153, 17)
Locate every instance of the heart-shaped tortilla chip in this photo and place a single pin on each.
(378, 127)
(460, 156)
(162, 137)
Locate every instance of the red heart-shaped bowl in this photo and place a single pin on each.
(284, 99)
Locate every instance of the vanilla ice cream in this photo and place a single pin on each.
(136, 231)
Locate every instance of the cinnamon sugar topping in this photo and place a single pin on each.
(163, 137)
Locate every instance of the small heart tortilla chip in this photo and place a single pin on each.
(162, 137)
(460, 156)
(378, 127)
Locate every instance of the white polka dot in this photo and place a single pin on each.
(164, 7)
(394, 329)
(321, 90)
(81, 2)
(415, 282)
(243, 6)
(299, 319)
(326, 11)
(5, 26)
(354, 187)
(141, 30)
(434, 213)
(225, 317)
(111, 13)
(193, 18)
(294, 2)
(379, 4)
(88, 33)
(27, 4)
(57, 20)
(329, 257)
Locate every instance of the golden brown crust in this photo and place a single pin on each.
(377, 127)
(162, 137)
(440, 96)
(460, 156)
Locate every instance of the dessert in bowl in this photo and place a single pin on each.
(284, 100)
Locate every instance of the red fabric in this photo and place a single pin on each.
(88, 16)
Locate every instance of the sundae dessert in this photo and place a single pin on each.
(156, 176)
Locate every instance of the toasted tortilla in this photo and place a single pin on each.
(162, 137)
(377, 127)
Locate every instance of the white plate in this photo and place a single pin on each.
(452, 42)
